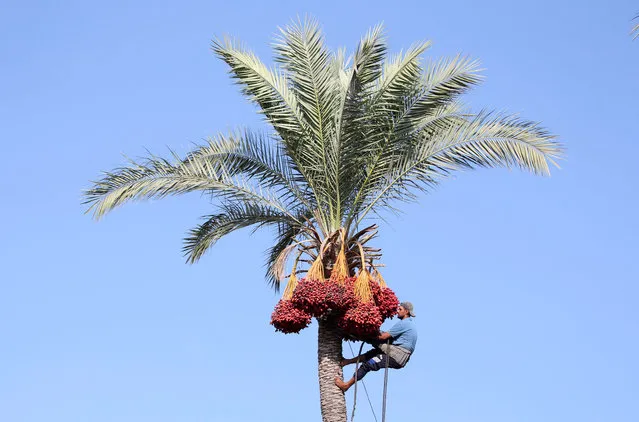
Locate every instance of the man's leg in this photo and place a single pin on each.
(374, 363)
(362, 358)
(344, 386)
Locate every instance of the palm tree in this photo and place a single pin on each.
(635, 29)
(349, 137)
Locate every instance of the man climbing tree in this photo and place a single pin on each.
(402, 336)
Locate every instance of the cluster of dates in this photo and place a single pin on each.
(358, 319)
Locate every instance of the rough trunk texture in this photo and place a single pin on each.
(329, 352)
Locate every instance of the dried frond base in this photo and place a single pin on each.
(377, 276)
(339, 273)
(290, 287)
(363, 287)
(316, 272)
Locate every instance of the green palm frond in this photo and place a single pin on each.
(399, 80)
(427, 103)
(356, 80)
(400, 77)
(490, 140)
(268, 88)
(635, 29)
(301, 52)
(376, 169)
(233, 216)
(157, 177)
(369, 57)
(259, 158)
(356, 84)
(484, 141)
(287, 235)
(310, 71)
(443, 83)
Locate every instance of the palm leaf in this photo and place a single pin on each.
(157, 177)
(400, 79)
(259, 158)
(487, 140)
(355, 84)
(443, 83)
(234, 216)
(287, 233)
(301, 51)
(268, 88)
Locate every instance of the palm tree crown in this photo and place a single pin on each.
(350, 136)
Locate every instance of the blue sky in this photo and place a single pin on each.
(526, 288)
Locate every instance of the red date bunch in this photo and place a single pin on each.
(325, 298)
(316, 297)
(386, 302)
(361, 322)
(310, 296)
(289, 319)
(341, 297)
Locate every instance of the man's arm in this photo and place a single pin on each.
(384, 336)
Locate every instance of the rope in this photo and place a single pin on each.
(385, 382)
(369, 401)
(355, 392)
(370, 404)
(365, 389)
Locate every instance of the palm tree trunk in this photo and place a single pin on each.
(329, 353)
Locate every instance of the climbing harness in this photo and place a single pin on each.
(366, 390)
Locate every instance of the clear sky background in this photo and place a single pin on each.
(526, 288)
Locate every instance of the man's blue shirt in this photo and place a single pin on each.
(404, 334)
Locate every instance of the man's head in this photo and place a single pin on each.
(405, 310)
